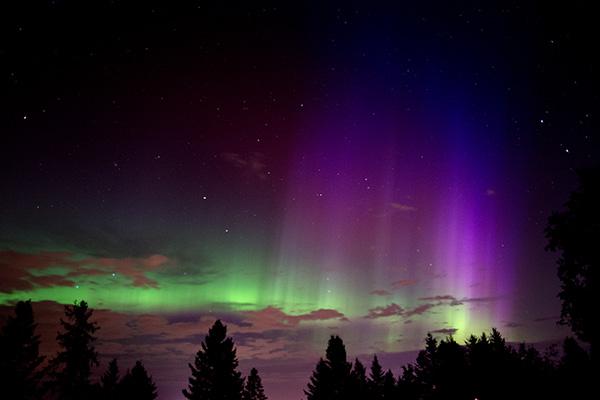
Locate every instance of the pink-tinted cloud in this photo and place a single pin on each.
(274, 317)
(446, 297)
(446, 331)
(403, 283)
(25, 271)
(387, 311)
(419, 310)
(380, 292)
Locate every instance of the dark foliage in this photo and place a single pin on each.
(485, 367)
(575, 233)
(331, 377)
(71, 368)
(20, 360)
(253, 390)
(137, 384)
(214, 373)
(110, 380)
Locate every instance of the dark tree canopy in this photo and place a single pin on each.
(137, 384)
(376, 378)
(331, 377)
(214, 375)
(253, 390)
(19, 349)
(71, 368)
(575, 234)
(109, 381)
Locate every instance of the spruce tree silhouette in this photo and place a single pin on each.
(376, 377)
(574, 233)
(71, 367)
(426, 365)
(408, 386)
(330, 380)
(214, 373)
(389, 386)
(109, 381)
(137, 384)
(358, 388)
(20, 360)
(450, 371)
(253, 390)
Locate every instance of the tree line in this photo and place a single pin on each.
(484, 367)
(26, 375)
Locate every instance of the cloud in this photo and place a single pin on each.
(387, 311)
(438, 298)
(453, 301)
(403, 283)
(252, 164)
(27, 271)
(419, 310)
(446, 331)
(275, 317)
(380, 292)
(403, 207)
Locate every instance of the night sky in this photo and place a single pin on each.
(297, 170)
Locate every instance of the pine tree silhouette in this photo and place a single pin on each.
(358, 381)
(214, 373)
(253, 390)
(109, 381)
(389, 386)
(71, 368)
(20, 360)
(137, 384)
(331, 376)
(376, 377)
(320, 385)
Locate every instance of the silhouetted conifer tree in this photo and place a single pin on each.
(71, 368)
(109, 381)
(408, 386)
(389, 386)
(321, 382)
(214, 373)
(253, 390)
(137, 384)
(358, 388)
(19, 355)
(330, 380)
(426, 366)
(375, 381)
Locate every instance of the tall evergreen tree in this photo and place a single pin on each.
(214, 375)
(137, 384)
(389, 386)
(110, 380)
(20, 360)
(71, 368)
(358, 381)
(253, 390)
(376, 377)
(320, 385)
(331, 377)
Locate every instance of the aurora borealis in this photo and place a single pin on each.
(373, 171)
